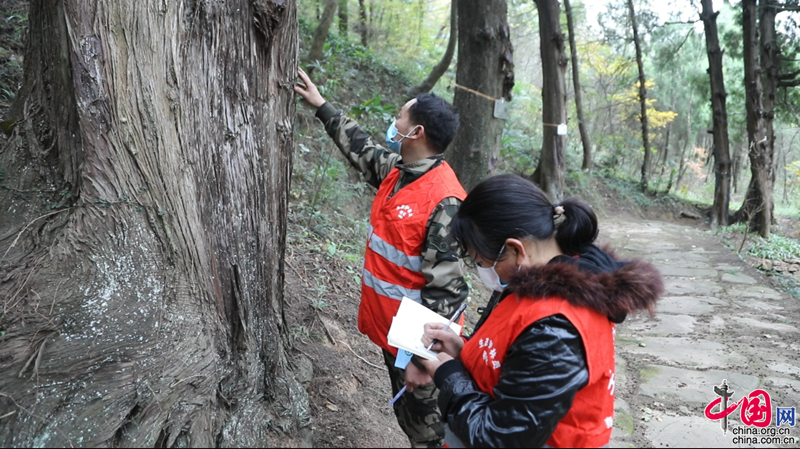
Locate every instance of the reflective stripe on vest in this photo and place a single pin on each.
(390, 290)
(392, 254)
(393, 260)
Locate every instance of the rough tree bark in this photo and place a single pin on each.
(576, 82)
(321, 33)
(143, 228)
(756, 209)
(722, 157)
(427, 84)
(485, 72)
(642, 99)
(549, 174)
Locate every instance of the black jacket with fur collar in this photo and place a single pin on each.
(546, 365)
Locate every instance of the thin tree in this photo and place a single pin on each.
(321, 33)
(549, 174)
(143, 228)
(427, 84)
(485, 73)
(363, 28)
(343, 16)
(642, 99)
(756, 209)
(722, 158)
(576, 82)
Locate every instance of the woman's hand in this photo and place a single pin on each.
(308, 90)
(433, 365)
(449, 342)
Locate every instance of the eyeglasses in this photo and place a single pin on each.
(470, 261)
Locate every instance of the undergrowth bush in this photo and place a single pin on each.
(775, 248)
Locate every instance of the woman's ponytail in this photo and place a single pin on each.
(576, 227)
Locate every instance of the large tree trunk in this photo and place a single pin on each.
(321, 33)
(756, 210)
(550, 171)
(576, 82)
(642, 99)
(427, 84)
(485, 72)
(143, 228)
(722, 157)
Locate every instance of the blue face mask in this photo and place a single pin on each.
(391, 133)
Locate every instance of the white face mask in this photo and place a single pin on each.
(490, 277)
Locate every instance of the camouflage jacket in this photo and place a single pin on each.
(446, 288)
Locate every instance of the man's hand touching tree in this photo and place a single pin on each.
(308, 90)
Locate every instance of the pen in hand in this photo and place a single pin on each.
(452, 319)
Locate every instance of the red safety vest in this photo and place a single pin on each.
(589, 421)
(393, 260)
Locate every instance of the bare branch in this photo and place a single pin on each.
(788, 76)
(689, 22)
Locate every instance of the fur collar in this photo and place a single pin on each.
(633, 286)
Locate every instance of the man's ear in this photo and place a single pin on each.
(419, 132)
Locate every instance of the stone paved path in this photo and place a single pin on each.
(718, 319)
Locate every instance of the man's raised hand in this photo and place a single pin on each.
(308, 90)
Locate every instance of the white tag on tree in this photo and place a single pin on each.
(501, 109)
(561, 130)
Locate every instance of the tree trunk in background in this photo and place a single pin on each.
(343, 13)
(143, 228)
(770, 68)
(441, 68)
(576, 82)
(756, 210)
(722, 156)
(642, 98)
(363, 29)
(485, 66)
(549, 174)
(321, 33)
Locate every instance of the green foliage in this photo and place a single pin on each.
(522, 135)
(626, 190)
(374, 107)
(776, 247)
(13, 30)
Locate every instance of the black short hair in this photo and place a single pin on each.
(438, 117)
(509, 206)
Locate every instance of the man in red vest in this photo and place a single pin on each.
(409, 250)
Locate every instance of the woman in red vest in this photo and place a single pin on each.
(539, 367)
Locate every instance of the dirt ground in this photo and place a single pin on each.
(349, 387)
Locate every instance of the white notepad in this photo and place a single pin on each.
(408, 326)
